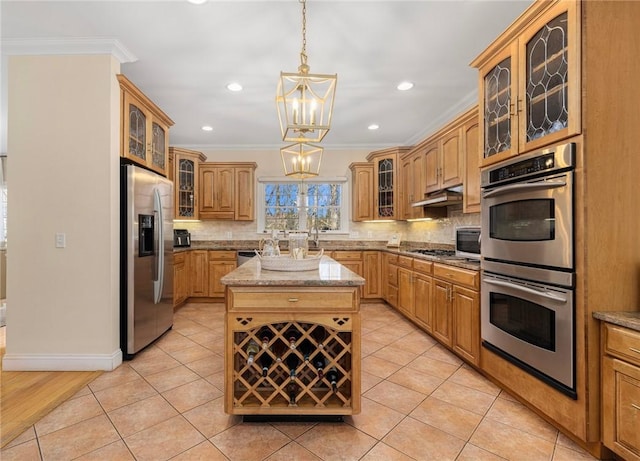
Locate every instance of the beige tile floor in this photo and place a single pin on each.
(419, 401)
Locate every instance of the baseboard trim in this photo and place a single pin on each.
(62, 362)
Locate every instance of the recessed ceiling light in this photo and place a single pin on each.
(207, 128)
(373, 126)
(234, 86)
(197, 2)
(404, 86)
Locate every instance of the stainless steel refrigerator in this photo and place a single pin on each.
(146, 258)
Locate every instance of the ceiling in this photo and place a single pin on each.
(187, 54)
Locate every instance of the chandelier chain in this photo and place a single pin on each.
(303, 53)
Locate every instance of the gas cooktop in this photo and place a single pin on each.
(442, 253)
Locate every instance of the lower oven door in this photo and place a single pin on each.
(530, 222)
(532, 325)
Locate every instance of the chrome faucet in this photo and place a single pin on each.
(316, 231)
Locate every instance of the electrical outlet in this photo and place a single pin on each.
(369, 234)
(61, 240)
(354, 234)
(229, 235)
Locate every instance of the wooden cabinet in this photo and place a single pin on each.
(444, 161)
(221, 262)
(352, 260)
(277, 380)
(372, 266)
(185, 177)
(180, 289)
(405, 286)
(391, 275)
(144, 130)
(471, 154)
(529, 82)
(422, 294)
(386, 186)
(456, 307)
(621, 391)
(362, 196)
(198, 270)
(227, 191)
(412, 180)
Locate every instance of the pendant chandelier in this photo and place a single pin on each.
(304, 100)
(301, 160)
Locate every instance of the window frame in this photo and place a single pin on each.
(344, 201)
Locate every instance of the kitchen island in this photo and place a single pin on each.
(292, 341)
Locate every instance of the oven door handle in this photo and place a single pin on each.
(514, 286)
(526, 186)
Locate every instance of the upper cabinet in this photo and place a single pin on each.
(529, 84)
(386, 187)
(186, 164)
(471, 149)
(362, 197)
(227, 191)
(144, 129)
(443, 159)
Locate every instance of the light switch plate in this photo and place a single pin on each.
(61, 240)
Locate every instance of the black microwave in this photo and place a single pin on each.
(468, 242)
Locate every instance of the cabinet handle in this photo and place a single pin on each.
(511, 110)
(635, 406)
(519, 105)
(633, 349)
(293, 300)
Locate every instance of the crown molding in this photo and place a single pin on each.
(67, 46)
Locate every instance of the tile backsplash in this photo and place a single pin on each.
(436, 231)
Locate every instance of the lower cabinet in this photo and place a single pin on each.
(371, 262)
(179, 278)
(198, 273)
(220, 264)
(621, 391)
(352, 260)
(466, 324)
(442, 311)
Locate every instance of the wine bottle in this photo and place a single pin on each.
(265, 362)
(319, 362)
(252, 350)
(319, 334)
(306, 348)
(293, 391)
(292, 335)
(279, 349)
(332, 376)
(265, 336)
(292, 363)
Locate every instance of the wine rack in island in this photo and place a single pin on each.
(299, 356)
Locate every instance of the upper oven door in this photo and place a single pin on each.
(530, 222)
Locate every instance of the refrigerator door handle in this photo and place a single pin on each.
(159, 282)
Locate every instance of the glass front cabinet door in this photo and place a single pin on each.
(145, 129)
(385, 167)
(530, 86)
(185, 178)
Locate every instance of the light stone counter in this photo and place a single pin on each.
(329, 273)
(629, 320)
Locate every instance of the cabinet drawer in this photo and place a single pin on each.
(259, 299)
(623, 343)
(392, 258)
(405, 261)
(425, 267)
(223, 255)
(347, 255)
(456, 275)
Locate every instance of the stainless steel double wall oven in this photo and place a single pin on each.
(527, 304)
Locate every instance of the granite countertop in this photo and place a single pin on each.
(329, 273)
(629, 320)
(338, 245)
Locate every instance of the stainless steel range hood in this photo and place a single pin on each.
(442, 198)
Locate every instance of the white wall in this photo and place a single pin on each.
(63, 140)
(334, 163)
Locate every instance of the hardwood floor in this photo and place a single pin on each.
(27, 396)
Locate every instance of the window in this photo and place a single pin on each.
(288, 205)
